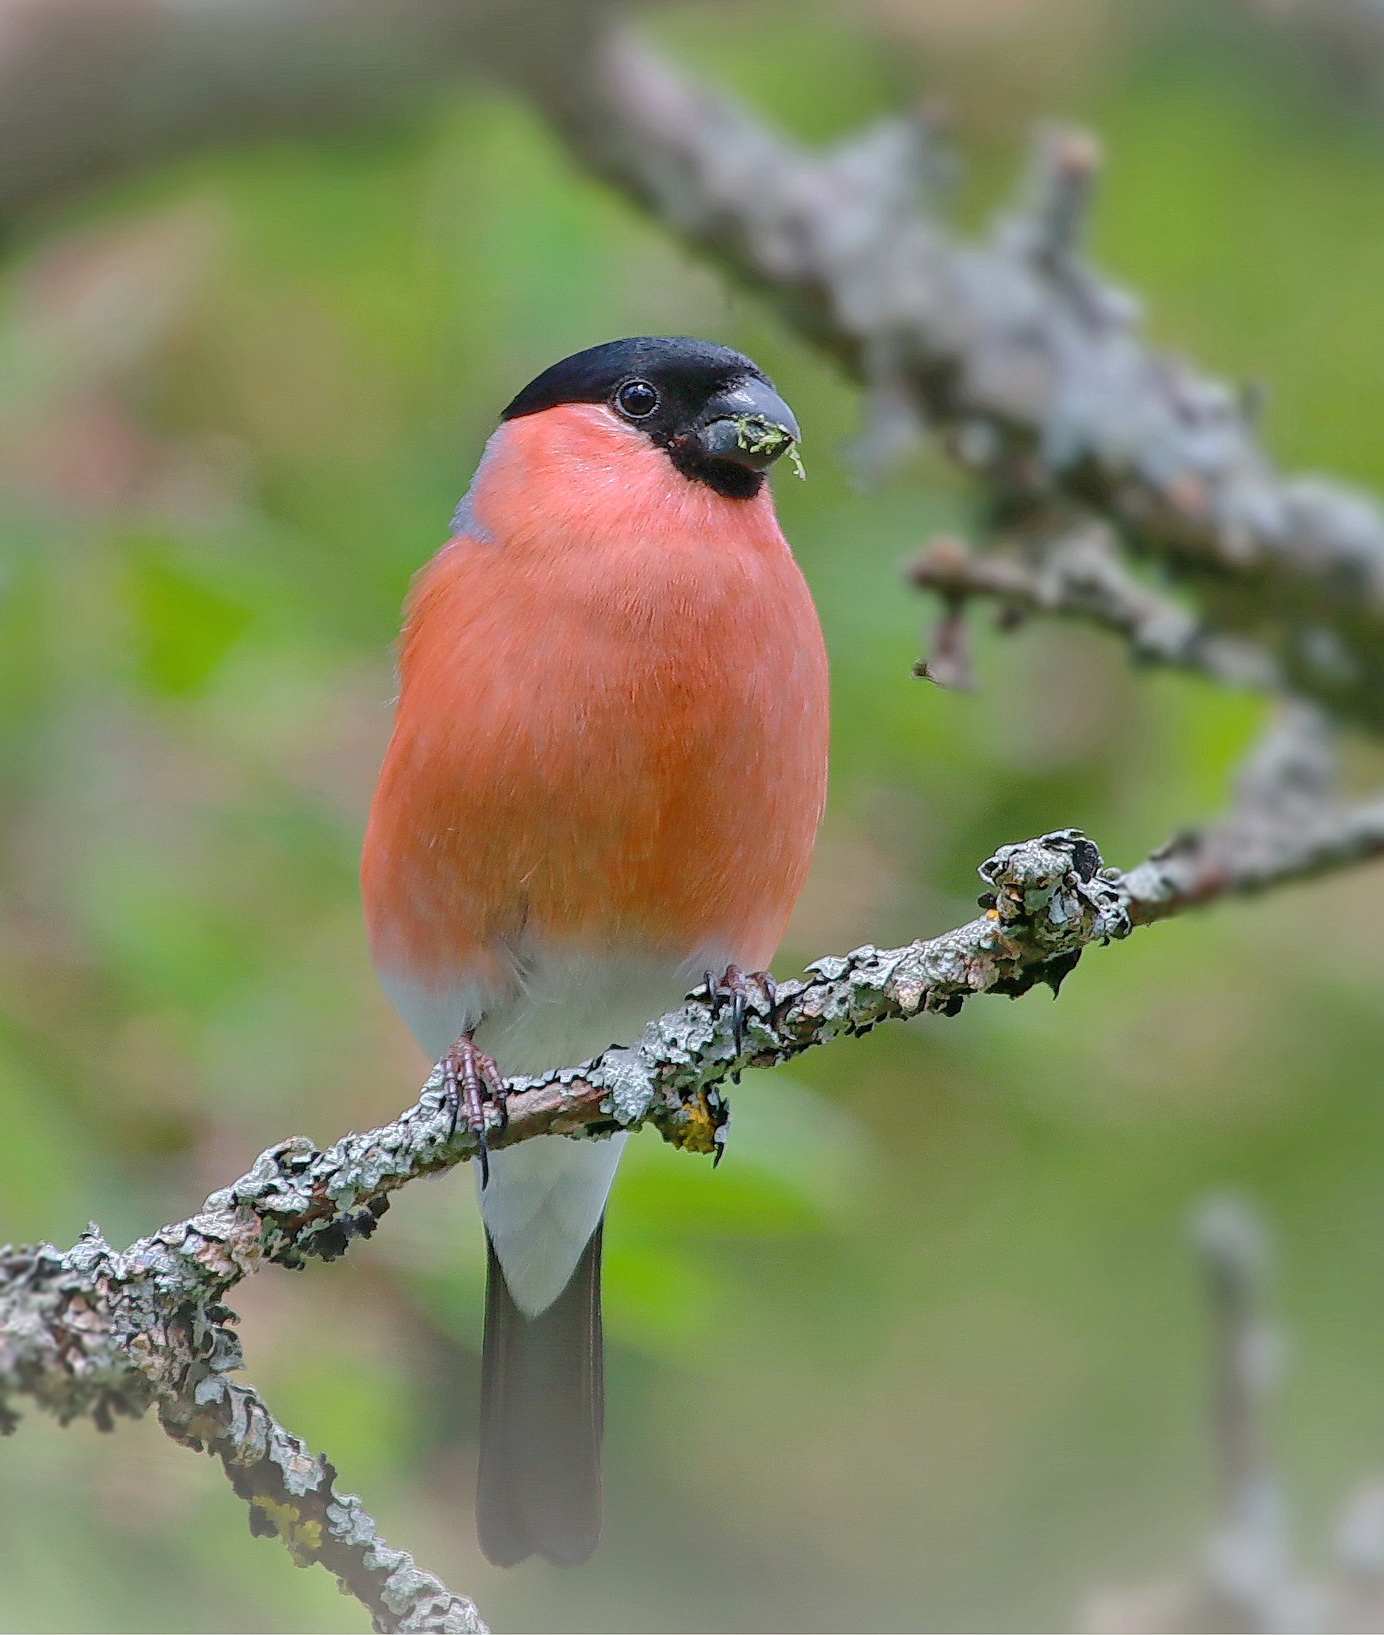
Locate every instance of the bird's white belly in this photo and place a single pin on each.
(546, 1196)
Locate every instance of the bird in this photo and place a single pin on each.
(606, 774)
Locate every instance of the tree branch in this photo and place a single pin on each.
(1081, 576)
(1015, 347)
(1286, 824)
(1245, 1577)
(1025, 358)
(292, 1496)
(1346, 35)
(95, 1332)
(98, 1333)
(92, 91)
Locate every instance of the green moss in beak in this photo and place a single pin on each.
(766, 441)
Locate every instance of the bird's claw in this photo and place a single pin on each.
(471, 1084)
(734, 988)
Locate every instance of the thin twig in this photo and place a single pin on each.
(1081, 576)
(1245, 1577)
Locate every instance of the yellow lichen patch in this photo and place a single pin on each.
(695, 1130)
(303, 1539)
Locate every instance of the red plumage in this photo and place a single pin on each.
(612, 722)
(606, 775)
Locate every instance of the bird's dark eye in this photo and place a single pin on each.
(637, 399)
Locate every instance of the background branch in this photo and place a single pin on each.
(92, 91)
(1013, 347)
(1246, 1579)
(1080, 575)
(1020, 353)
(1346, 35)
(1246, 1576)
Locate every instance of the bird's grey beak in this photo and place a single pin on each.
(748, 424)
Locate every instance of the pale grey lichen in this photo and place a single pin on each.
(629, 1085)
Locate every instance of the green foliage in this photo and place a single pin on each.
(186, 626)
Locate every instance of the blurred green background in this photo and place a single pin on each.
(927, 1352)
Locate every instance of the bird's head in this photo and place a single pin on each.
(711, 410)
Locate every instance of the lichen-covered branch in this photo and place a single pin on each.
(1082, 576)
(1027, 360)
(1029, 365)
(88, 1353)
(97, 1332)
(100, 1333)
(292, 1495)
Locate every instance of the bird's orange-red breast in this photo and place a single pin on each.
(606, 776)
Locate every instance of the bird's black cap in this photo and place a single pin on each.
(688, 396)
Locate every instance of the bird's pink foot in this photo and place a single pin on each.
(733, 987)
(471, 1084)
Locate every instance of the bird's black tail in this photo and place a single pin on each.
(542, 1415)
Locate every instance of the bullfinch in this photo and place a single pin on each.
(605, 778)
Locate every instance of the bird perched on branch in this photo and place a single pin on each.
(606, 776)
